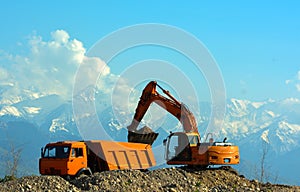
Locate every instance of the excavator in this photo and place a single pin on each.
(182, 148)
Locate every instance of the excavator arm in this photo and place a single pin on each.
(177, 109)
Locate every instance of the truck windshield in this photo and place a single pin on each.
(57, 152)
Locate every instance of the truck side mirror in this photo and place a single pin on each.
(42, 152)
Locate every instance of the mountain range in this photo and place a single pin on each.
(269, 129)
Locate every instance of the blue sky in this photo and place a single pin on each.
(255, 43)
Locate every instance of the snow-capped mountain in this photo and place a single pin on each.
(275, 122)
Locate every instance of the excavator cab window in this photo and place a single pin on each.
(178, 147)
(173, 147)
(193, 139)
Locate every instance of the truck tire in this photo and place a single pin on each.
(83, 171)
(67, 177)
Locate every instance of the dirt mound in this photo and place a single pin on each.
(169, 179)
(38, 183)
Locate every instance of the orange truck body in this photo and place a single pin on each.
(73, 158)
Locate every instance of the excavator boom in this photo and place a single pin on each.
(176, 108)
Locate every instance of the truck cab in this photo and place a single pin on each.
(64, 158)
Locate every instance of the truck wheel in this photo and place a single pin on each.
(67, 177)
(84, 171)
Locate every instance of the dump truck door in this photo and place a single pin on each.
(78, 160)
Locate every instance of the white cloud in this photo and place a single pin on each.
(288, 81)
(3, 74)
(88, 73)
(49, 67)
(294, 81)
(60, 36)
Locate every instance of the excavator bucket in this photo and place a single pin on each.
(144, 135)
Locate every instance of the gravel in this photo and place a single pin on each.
(168, 179)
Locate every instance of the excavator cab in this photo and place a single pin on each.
(178, 147)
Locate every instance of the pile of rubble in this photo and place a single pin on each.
(168, 179)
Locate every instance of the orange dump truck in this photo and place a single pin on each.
(73, 158)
